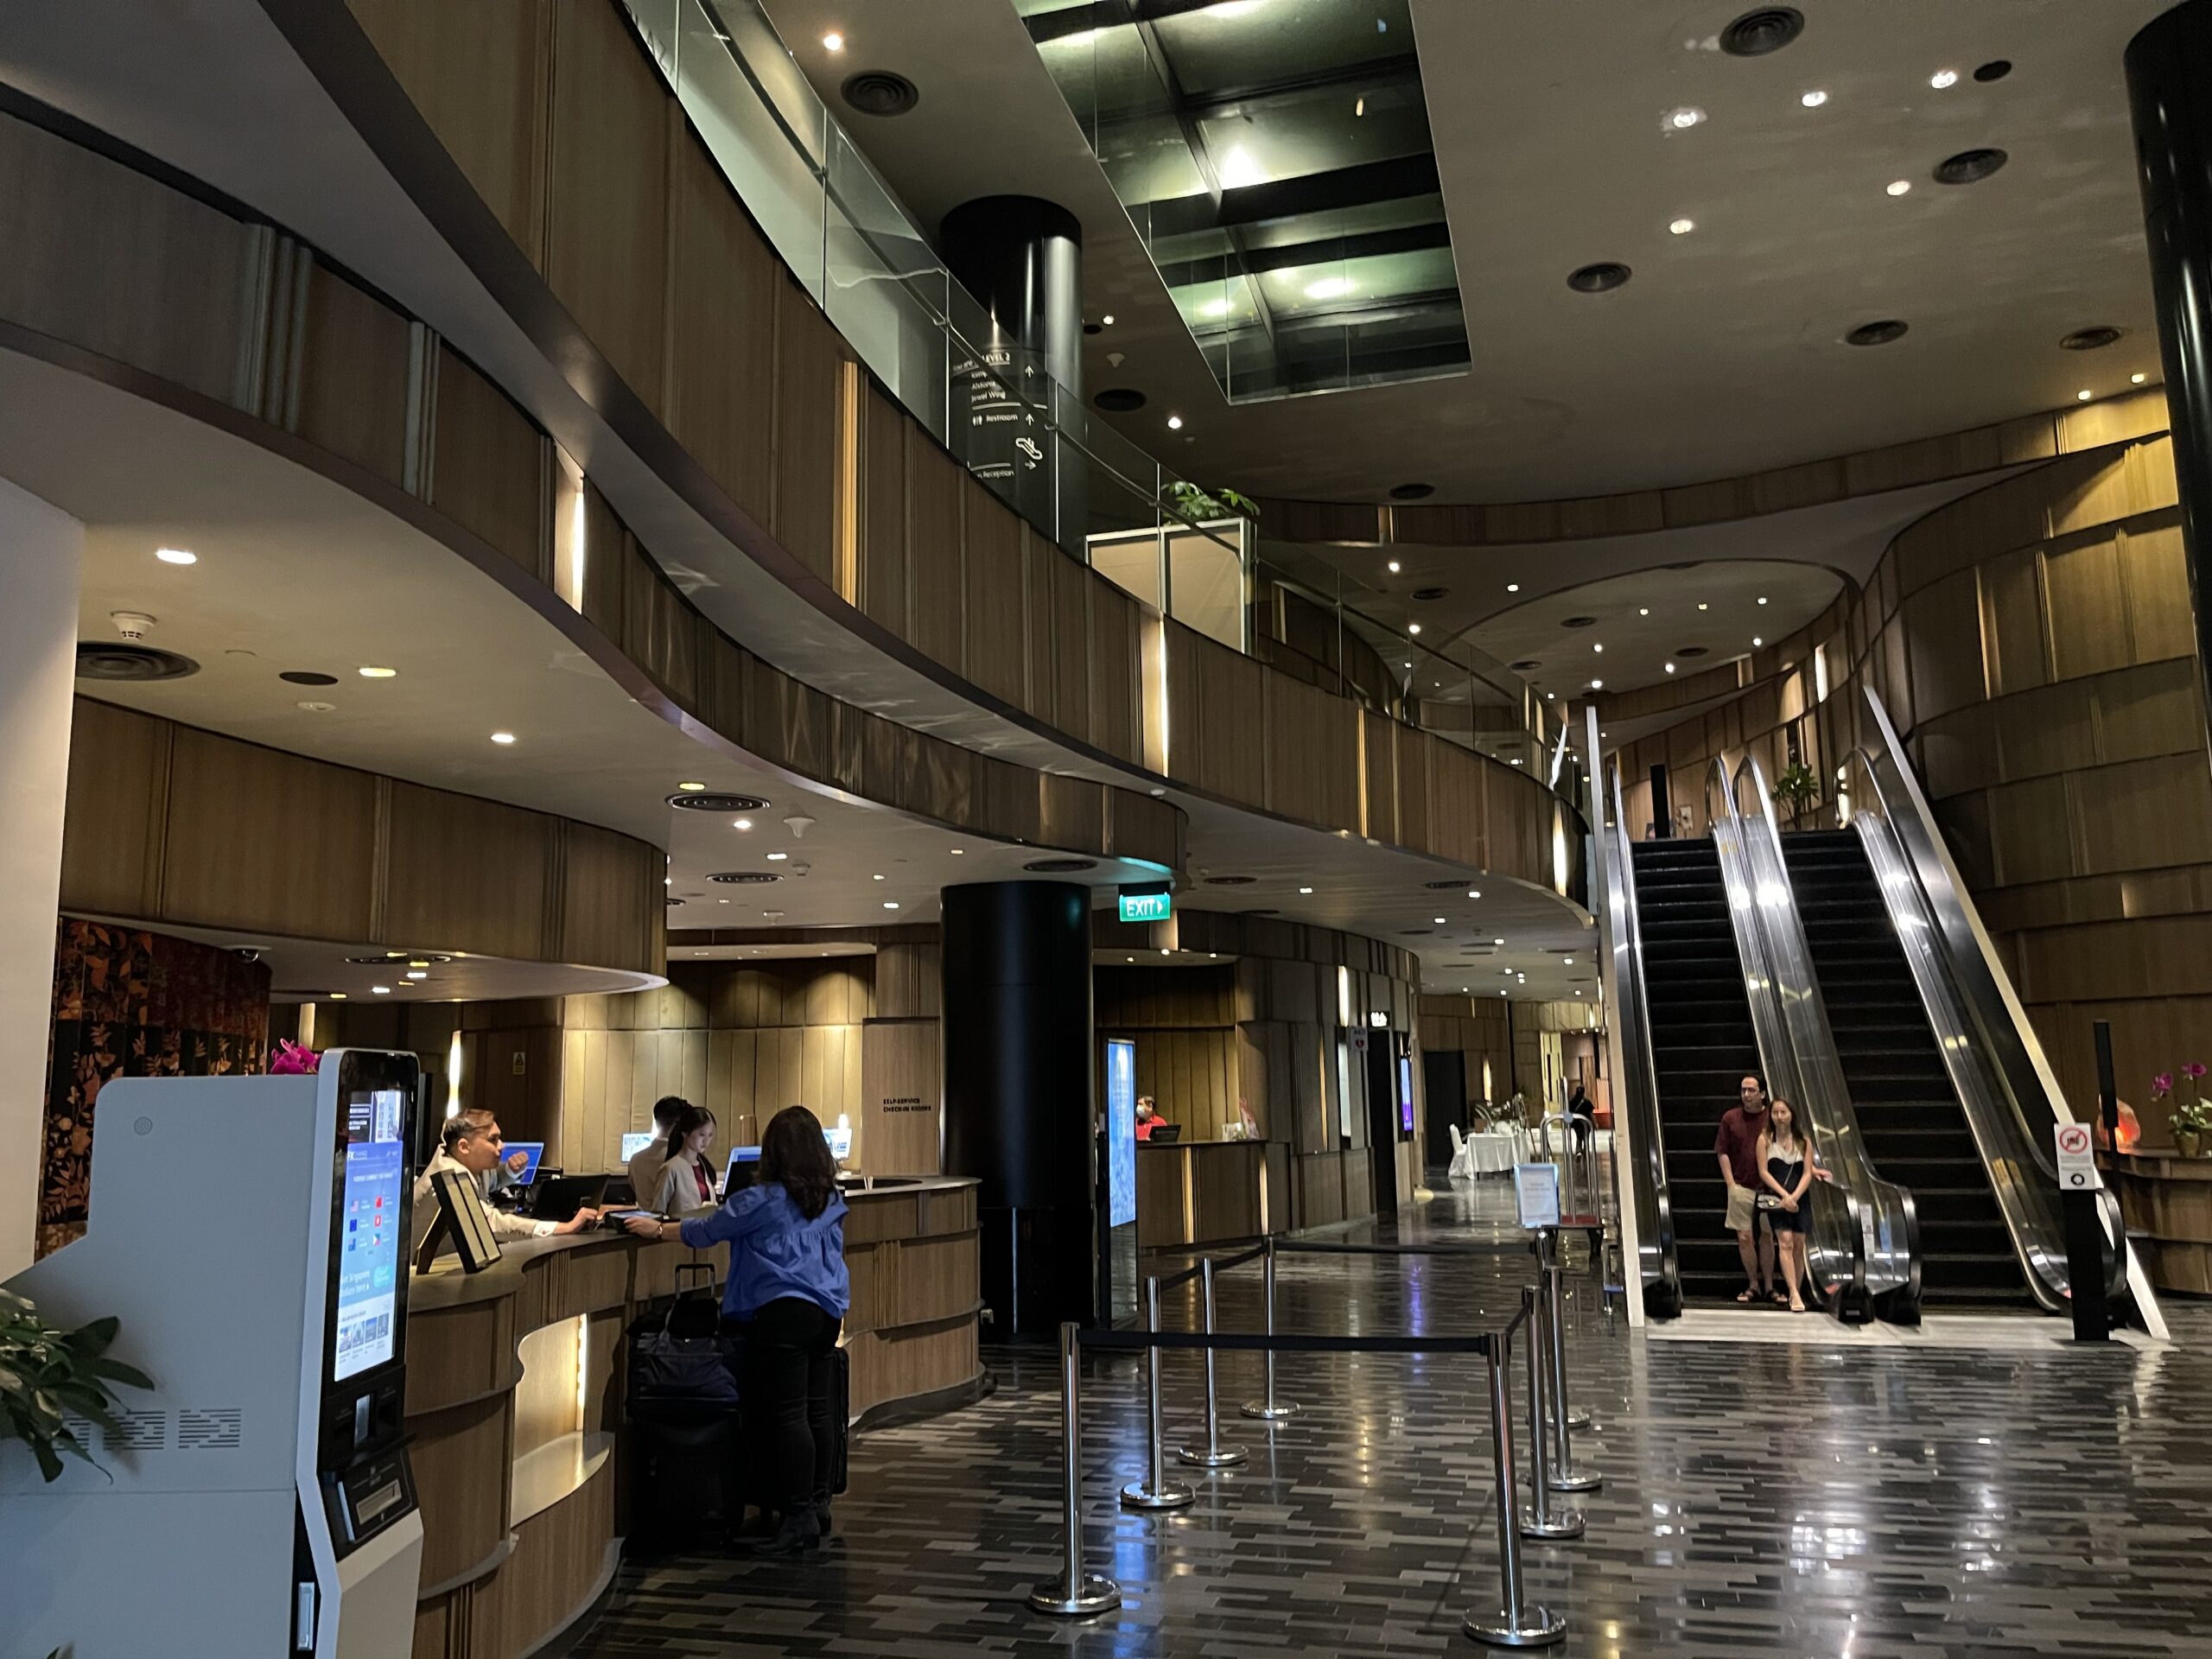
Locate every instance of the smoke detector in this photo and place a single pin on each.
(131, 624)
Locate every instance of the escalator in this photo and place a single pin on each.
(1702, 1045)
(1912, 1124)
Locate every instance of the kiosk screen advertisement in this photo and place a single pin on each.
(369, 1242)
(1121, 1132)
(1405, 1093)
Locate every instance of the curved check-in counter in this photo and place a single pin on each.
(1211, 1192)
(514, 1398)
(2167, 1202)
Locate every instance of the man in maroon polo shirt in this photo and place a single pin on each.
(1736, 1146)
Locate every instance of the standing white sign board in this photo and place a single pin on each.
(1535, 1194)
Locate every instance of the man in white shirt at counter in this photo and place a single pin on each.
(472, 1144)
(645, 1169)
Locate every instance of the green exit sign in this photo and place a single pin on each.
(1156, 906)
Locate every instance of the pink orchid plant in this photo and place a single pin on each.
(291, 1060)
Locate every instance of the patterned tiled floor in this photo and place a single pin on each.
(1991, 1493)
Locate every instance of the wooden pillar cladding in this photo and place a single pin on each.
(170, 825)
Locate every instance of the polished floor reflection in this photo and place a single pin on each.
(1988, 1493)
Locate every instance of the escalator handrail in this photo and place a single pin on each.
(1639, 1084)
(1888, 1215)
(1836, 1236)
(1988, 1008)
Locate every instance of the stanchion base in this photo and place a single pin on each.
(1138, 1496)
(1571, 1479)
(1576, 1417)
(1094, 1595)
(1265, 1413)
(1559, 1523)
(1223, 1457)
(1539, 1627)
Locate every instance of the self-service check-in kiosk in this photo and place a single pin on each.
(251, 1235)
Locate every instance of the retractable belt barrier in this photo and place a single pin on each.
(1078, 1592)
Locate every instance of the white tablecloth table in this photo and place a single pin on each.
(1494, 1152)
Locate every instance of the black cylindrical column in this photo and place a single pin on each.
(1022, 260)
(2169, 70)
(1018, 1091)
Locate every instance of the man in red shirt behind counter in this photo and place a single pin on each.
(1736, 1146)
(1147, 1116)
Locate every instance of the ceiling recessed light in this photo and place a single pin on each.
(1412, 627)
(778, 858)
(1670, 668)
(1899, 186)
(370, 673)
(1439, 921)
(690, 789)
(1683, 226)
(1814, 100)
(1762, 599)
(1174, 422)
(1497, 941)
(741, 824)
(1512, 586)
(1682, 119)
(381, 990)
(1597, 685)
(338, 996)
(2085, 394)
(503, 737)
(1473, 892)
(1394, 566)
(1702, 605)
(1644, 610)
(175, 555)
(960, 852)
(1108, 320)
(2135, 379)
(1306, 890)
(875, 878)
(721, 901)
(1943, 78)
(833, 42)
(1756, 640)
(416, 973)
(891, 904)
(1594, 646)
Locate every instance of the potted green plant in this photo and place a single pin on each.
(1190, 501)
(52, 1382)
(1796, 788)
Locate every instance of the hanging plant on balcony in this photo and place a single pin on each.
(1189, 501)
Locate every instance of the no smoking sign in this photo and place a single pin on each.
(2077, 1160)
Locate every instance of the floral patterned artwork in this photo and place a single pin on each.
(130, 1003)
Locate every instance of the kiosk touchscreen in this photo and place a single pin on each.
(258, 1499)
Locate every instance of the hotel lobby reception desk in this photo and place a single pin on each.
(514, 1399)
(1206, 1191)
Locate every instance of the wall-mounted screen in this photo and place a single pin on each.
(1406, 1093)
(371, 1230)
(1121, 1132)
(634, 1144)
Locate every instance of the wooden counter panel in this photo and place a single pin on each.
(461, 1461)
(870, 1266)
(899, 1364)
(586, 1281)
(460, 1353)
(949, 1209)
(2178, 1264)
(872, 1216)
(562, 1556)
(938, 1277)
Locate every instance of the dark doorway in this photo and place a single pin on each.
(1382, 1120)
(1443, 1081)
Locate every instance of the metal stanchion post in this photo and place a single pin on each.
(1555, 1280)
(1267, 1407)
(1075, 1592)
(1565, 1477)
(1213, 1454)
(1539, 1519)
(1154, 1492)
(1512, 1626)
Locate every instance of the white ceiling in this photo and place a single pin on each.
(1721, 356)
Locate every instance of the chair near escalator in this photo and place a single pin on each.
(1914, 1129)
(1702, 1045)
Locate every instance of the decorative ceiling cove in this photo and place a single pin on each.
(1274, 157)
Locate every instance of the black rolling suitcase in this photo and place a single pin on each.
(683, 1403)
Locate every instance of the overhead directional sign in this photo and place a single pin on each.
(1146, 903)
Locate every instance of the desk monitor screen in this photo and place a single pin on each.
(534, 1150)
(744, 1166)
(1163, 1132)
(634, 1144)
(841, 1141)
(371, 1224)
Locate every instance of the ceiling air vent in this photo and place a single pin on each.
(1877, 334)
(1580, 622)
(745, 878)
(113, 661)
(1430, 593)
(1758, 33)
(878, 91)
(1600, 278)
(1120, 400)
(2090, 339)
(1527, 665)
(1060, 866)
(307, 677)
(1969, 165)
(402, 959)
(1228, 881)
(1440, 887)
(1412, 492)
(704, 801)
(1691, 650)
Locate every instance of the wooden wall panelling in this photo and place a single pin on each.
(352, 377)
(2154, 576)
(115, 825)
(1115, 723)
(261, 839)
(1230, 702)
(601, 876)
(883, 559)
(720, 368)
(479, 76)
(936, 584)
(808, 356)
(145, 275)
(608, 190)
(996, 607)
(661, 633)
(488, 465)
(465, 874)
(1068, 619)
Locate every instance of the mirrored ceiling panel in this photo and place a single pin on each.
(1275, 156)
